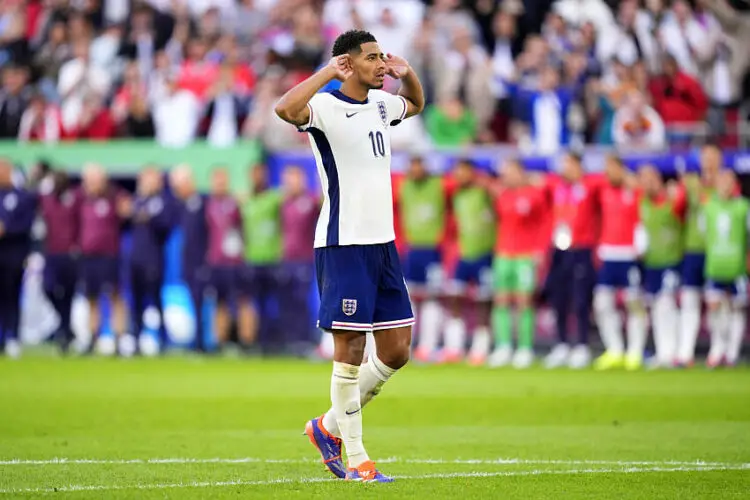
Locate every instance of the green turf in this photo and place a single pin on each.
(570, 434)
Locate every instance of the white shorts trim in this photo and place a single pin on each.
(343, 325)
(387, 325)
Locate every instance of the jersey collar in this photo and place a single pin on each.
(339, 95)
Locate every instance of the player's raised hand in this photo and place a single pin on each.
(397, 66)
(343, 66)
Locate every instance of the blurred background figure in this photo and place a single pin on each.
(726, 224)
(299, 216)
(637, 125)
(17, 213)
(60, 207)
(14, 98)
(193, 223)
(103, 209)
(261, 216)
(470, 290)
(152, 221)
(224, 253)
(423, 211)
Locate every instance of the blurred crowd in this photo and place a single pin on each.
(543, 74)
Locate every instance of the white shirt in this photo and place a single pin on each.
(352, 148)
(548, 123)
(678, 41)
(77, 78)
(176, 119)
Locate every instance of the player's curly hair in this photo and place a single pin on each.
(351, 41)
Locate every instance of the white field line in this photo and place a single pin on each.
(215, 484)
(389, 460)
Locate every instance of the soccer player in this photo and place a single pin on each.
(699, 189)
(726, 221)
(360, 280)
(619, 271)
(661, 211)
(299, 213)
(571, 277)
(475, 224)
(192, 222)
(17, 211)
(102, 210)
(261, 216)
(59, 210)
(152, 220)
(519, 206)
(224, 253)
(422, 210)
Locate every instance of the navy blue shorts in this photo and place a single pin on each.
(223, 282)
(362, 288)
(664, 279)
(619, 274)
(422, 266)
(692, 270)
(736, 289)
(100, 274)
(261, 279)
(478, 271)
(60, 274)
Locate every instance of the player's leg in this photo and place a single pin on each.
(738, 322)
(120, 322)
(247, 316)
(138, 302)
(12, 308)
(52, 285)
(637, 317)
(347, 301)
(502, 323)
(92, 289)
(481, 338)
(690, 307)
(718, 306)
(611, 277)
(222, 319)
(558, 291)
(155, 284)
(423, 272)
(68, 288)
(524, 279)
(664, 315)
(454, 341)
(584, 280)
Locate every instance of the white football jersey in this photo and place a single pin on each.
(351, 143)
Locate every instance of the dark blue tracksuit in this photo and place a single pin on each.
(194, 270)
(153, 219)
(17, 213)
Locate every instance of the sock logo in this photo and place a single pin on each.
(352, 412)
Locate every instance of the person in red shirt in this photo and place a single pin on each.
(519, 207)
(571, 278)
(620, 270)
(678, 97)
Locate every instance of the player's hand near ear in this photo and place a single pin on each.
(342, 65)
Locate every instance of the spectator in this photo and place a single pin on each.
(95, 120)
(13, 47)
(466, 75)
(209, 24)
(158, 80)
(262, 122)
(50, 57)
(197, 75)
(225, 112)
(132, 85)
(40, 122)
(631, 39)
(678, 97)
(556, 33)
(503, 65)
(140, 43)
(580, 12)
(682, 36)
(549, 110)
(78, 79)
(609, 93)
(176, 116)
(248, 21)
(450, 123)
(637, 125)
(130, 108)
(14, 97)
(105, 48)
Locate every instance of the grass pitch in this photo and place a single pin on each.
(186, 427)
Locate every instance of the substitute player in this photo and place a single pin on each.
(725, 223)
(519, 207)
(422, 210)
(620, 271)
(360, 280)
(662, 212)
(699, 189)
(475, 225)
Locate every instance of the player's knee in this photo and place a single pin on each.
(395, 359)
(604, 301)
(349, 348)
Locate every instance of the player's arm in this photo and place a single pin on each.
(411, 88)
(293, 106)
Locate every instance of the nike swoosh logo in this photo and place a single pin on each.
(352, 412)
(349, 115)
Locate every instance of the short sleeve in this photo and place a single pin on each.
(396, 107)
(317, 107)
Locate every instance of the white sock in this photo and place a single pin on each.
(455, 334)
(608, 320)
(372, 376)
(430, 317)
(718, 323)
(736, 334)
(369, 345)
(345, 399)
(665, 328)
(637, 331)
(326, 345)
(480, 343)
(690, 320)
